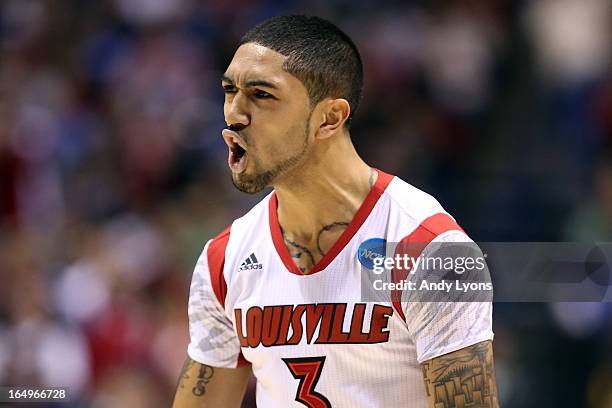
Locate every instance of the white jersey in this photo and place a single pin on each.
(310, 339)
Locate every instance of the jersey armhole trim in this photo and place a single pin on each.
(216, 262)
(418, 239)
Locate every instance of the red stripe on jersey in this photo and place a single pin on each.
(216, 262)
(382, 181)
(414, 244)
(242, 361)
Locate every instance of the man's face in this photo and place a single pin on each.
(268, 112)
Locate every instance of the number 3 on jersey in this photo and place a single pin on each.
(308, 370)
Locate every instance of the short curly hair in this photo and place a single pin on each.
(318, 53)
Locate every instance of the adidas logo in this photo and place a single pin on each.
(250, 263)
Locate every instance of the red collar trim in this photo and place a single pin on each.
(361, 215)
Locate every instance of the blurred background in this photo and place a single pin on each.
(113, 172)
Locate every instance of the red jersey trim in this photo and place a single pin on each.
(216, 262)
(382, 181)
(242, 361)
(416, 242)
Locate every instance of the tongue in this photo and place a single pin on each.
(237, 162)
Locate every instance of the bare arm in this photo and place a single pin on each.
(203, 386)
(462, 378)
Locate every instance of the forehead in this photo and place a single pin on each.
(256, 62)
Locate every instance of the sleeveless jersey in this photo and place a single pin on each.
(311, 340)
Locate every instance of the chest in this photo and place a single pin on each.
(271, 307)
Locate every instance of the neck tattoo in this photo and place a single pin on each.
(306, 262)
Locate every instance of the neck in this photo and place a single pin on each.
(326, 191)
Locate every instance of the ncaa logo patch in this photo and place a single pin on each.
(371, 249)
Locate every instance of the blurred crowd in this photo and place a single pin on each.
(113, 172)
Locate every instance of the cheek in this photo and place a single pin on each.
(290, 144)
(278, 133)
(270, 141)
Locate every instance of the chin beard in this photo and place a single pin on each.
(264, 178)
(252, 184)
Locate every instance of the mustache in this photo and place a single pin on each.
(235, 127)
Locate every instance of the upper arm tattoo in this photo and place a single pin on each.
(185, 371)
(463, 378)
(205, 373)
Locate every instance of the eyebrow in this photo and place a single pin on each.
(250, 83)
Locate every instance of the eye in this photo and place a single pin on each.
(229, 89)
(261, 94)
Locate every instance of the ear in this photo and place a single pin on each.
(334, 112)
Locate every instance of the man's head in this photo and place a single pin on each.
(293, 80)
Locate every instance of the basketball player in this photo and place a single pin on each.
(277, 294)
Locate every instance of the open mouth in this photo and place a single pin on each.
(237, 157)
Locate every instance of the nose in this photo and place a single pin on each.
(235, 110)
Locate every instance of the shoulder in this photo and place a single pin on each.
(253, 219)
(413, 202)
(420, 217)
(218, 249)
